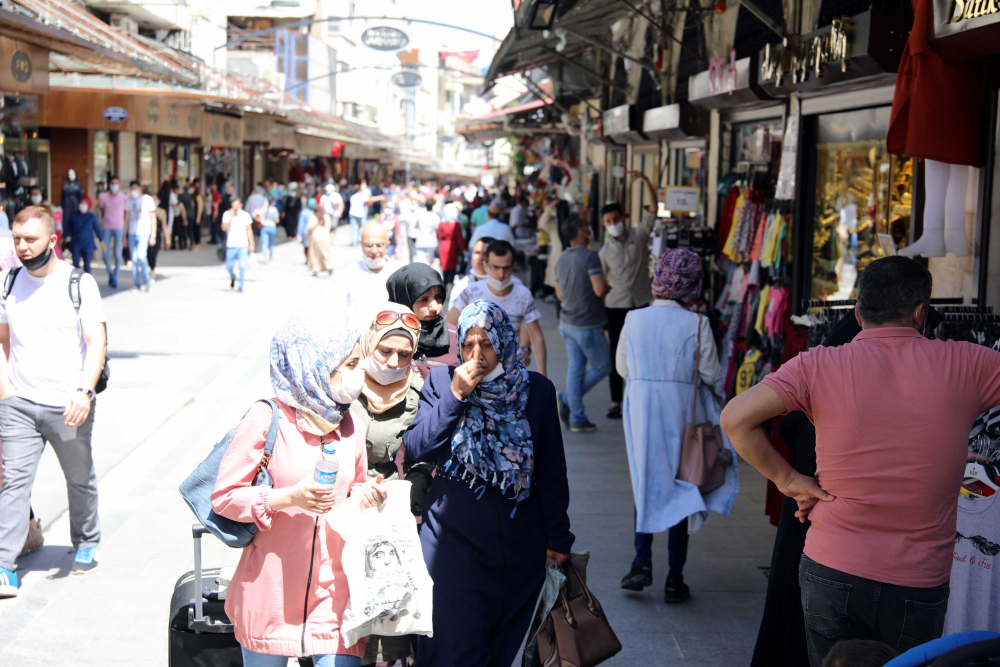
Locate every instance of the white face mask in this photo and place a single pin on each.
(351, 383)
(494, 374)
(135, 193)
(83, 208)
(383, 375)
(616, 229)
(373, 264)
(115, 187)
(499, 284)
(36, 199)
(71, 175)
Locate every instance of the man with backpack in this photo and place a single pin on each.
(52, 321)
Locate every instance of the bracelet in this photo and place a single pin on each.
(525, 348)
(90, 392)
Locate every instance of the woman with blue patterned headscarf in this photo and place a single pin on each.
(496, 512)
(316, 374)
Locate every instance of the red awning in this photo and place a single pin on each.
(498, 113)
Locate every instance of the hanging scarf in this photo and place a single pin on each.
(304, 354)
(492, 441)
(382, 397)
(405, 286)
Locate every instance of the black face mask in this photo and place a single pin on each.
(38, 261)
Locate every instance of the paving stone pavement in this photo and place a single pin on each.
(187, 360)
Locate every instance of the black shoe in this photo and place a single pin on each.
(614, 412)
(586, 426)
(676, 591)
(232, 283)
(640, 576)
(564, 412)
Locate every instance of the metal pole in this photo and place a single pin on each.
(667, 32)
(586, 69)
(593, 42)
(763, 18)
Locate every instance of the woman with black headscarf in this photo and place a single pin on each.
(419, 287)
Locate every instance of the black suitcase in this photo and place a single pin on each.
(200, 633)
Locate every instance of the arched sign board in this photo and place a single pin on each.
(385, 38)
(406, 79)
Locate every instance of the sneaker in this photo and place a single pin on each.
(582, 427)
(232, 282)
(240, 290)
(8, 583)
(676, 591)
(640, 576)
(563, 408)
(148, 286)
(614, 411)
(85, 560)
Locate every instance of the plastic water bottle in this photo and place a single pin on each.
(327, 467)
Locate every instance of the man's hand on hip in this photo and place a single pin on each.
(77, 410)
(806, 492)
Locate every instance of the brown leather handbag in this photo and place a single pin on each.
(576, 632)
(704, 457)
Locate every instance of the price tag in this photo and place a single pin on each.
(682, 199)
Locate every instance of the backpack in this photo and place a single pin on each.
(197, 488)
(74, 296)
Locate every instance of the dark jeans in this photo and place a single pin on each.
(840, 606)
(616, 322)
(677, 548)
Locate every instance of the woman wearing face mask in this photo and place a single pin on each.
(496, 513)
(295, 557)
(80, 232)
(419, 287)
(384, 410)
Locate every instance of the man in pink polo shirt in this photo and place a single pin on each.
(892, 411)
(112, 205)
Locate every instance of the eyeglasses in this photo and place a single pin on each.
(387, 317)
(369, 246)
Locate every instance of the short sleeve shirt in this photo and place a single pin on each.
(580, 306)
(139, 209)
(236, 235)
(113, 206)
(519, 304)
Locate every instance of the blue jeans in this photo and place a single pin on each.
(116, 236)
(138, 246)
(241, 254)
(84, 253)
(251, 659)
(267, 236)
(584, 344)
(356, 223)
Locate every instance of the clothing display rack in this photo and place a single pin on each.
(841, 303)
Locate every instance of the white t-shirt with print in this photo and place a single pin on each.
(519, 304)
(358, 207)
(139, 209)
(47, 347)
(236, 235)
(331, 202)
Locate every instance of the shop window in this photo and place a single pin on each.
(104, 158)
(146, 155)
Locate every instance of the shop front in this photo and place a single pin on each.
(223, 156)
(24, 149)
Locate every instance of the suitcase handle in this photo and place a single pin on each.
(198, 622)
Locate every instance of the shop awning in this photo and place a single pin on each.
(506, 111)
(83, 43)
(524, 116)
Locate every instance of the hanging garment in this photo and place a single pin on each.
(729, 249)
(758, 239)
(764, 302)
(726, 219)
(975, 568)
(747, 372)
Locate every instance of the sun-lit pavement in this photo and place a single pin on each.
(187, 360)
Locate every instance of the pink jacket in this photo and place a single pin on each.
(289, 591)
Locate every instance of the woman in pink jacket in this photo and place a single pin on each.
(289, 591)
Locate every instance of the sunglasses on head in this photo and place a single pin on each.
(387, 317)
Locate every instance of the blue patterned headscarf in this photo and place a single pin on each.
(493, 440)
(304, 354)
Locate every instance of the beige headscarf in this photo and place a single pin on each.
(384, 397)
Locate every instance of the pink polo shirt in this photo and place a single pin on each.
(113, 206)
(892, 412)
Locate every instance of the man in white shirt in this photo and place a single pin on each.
(237, 225)
(47, 388)
(141, 233)
(363, 283)
(359, 210)
(500, 288)
(333, 203)
(493, 228)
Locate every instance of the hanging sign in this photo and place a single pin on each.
(336, 148)
(680, 199)
(966, 28)
(115, 114)
(385, 38)
(406, 79)
(26, 67)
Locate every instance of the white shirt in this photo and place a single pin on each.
(461, 283)
(139, 209)
(236, 236)
(519, 304)
(271, 218)
(47, 347)
(427, 224)
(708, 363)
(493, 229)
(358, 207)
(332, 203)
(362, 289)
(5, 232)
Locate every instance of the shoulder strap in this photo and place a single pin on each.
(74, 288)
(272, 433)
(697, 362)
(8, 282)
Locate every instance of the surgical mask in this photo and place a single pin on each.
(373, 264)
(351, 383)
(478, 276)
(36, 199)
(114, 187)
(383, 375)
(616, 229)
(135, 194)
(499, 284)
(494, 374)
(83, 208)
(38, 261)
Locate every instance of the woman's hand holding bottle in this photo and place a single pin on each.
(308, 494)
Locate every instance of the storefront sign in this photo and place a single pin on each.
(115, 114)
(622, 125)
(153, 111)
(966, 28)
(672, 122)
(26, 67)
(173, 114)
(678, 199)
(222, 130)
(726, 83)
(384, 38)
(406, 79)
(20, 66)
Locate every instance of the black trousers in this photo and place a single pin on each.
(616, 322)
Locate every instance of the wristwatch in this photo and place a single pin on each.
(525, 348)
(90, 392)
